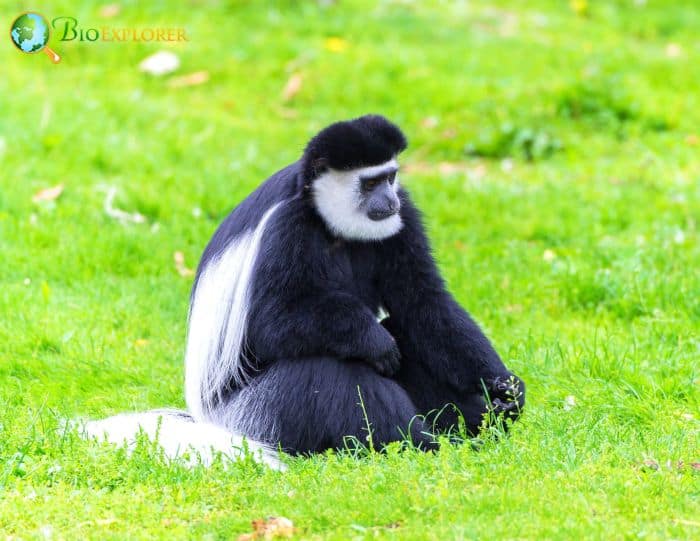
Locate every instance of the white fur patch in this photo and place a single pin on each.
(217, 322)
(337, 198)
(178, 437)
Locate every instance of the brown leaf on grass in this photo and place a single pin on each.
(269, 528)
(106, 521)
(686, 522)
(292, 87)
(191, 79)
(692, 139)
(110, 10)
(119, 214)
(650, 464)
(695, 466)
(182, 270)
(451, 168)
(287, 113)
(48, 194)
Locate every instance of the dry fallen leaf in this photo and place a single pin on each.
(48, 194)
(692, 139)
(106, 521)
(160, 63)
(449, 168)
(140, 342)
(686, 522)
(182, 270)
(191, 79)
(651, 464)
(292, 87)
(119, 214)
(287, 113)
(110, 10)
(269, 528)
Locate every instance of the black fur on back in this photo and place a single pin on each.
(361, 142)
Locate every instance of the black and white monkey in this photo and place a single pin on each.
(285, 343)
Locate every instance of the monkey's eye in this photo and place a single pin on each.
(370, 184)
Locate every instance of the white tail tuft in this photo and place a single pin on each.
(179, 435)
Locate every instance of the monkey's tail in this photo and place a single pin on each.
(179, 435)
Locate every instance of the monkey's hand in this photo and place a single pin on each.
(387, 359)
(505, 394)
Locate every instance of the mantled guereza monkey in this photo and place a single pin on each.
(285, 343)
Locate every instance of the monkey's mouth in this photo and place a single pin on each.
(379, 215)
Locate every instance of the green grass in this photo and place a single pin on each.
(555, 154)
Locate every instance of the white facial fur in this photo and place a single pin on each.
(337, 198)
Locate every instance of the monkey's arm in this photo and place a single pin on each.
(323, 324)
(429, 326)
(297, 311)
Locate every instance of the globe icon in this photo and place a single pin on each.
(30, 34)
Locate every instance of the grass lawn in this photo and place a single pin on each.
(555, 151)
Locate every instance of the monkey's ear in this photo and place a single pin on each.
(319, 165)
(311, 169)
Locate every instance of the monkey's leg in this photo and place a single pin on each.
(310, 405)
(446, 407)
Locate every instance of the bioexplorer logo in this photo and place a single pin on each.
(30, 33)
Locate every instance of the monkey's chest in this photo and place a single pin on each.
(354, 269)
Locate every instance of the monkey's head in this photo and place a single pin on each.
(351, 172)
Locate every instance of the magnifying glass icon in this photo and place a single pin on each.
(30, 33)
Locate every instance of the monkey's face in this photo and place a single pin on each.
(360, 204)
